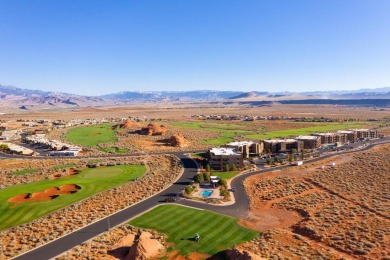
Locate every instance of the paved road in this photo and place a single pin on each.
(238, 209)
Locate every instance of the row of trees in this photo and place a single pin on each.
(226, 168)
(290, 157)
(205, 176)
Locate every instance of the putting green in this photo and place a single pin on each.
(217, 232)
(90, 181)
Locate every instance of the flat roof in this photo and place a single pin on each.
(307, 137)
(345, 132)
(280, 141)
(324, 134)
(223, 151)
(360, 130)
(240, 143)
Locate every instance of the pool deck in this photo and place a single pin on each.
(214, 195)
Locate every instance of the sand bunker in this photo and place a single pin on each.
(47, 194)
(61, 174)
(73, 171)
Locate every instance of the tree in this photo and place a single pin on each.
(198, 178)
(222, 182)
(276, 159)
(206, 176)
(3, 147)
(188, 190)
(208, 168)
(302, 155)
(226, 168)
(233, 168)
(225, 193)
(294, 151)
(290, 158)
(269, 161)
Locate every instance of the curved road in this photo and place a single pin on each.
(239, 209)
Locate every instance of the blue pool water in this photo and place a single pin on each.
(206, 193)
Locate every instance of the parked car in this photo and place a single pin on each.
(169, 199)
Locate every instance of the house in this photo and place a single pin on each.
(9, 135)
(65, 153)
(17, 149)
(219, 157)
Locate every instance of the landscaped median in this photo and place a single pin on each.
(19, 239)
(175, 227)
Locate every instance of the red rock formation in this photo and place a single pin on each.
(236, 254)
(178, 140)
(129, 124)
(145, 248)
(153, 129)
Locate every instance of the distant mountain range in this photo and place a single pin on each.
(13, 97)
(174, 95)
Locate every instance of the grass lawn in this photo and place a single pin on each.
(91, 181)
(113, 150)
(227, 131)
(25, 171)
(224, 175)
(307, 130)
(217, 232)
(89, 136)
(202, 155)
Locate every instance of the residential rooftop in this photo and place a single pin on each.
(223, 151)
(280, 141)
(240, 143)
(307, 137)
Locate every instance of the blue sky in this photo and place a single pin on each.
(98, 47)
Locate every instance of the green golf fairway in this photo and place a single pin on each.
(217, 232)
(91, 181)
(89, 136)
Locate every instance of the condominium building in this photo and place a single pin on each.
(332, 138)
(219, 157)
(282, 145)
(309, 141)
(366, 133)
(247, 148)
(351, 135)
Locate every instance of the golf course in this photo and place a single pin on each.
(217, 232)
(25, 202)
(89, 136)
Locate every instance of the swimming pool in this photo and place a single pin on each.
(206, 193)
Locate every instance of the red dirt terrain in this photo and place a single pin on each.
(330, 212)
